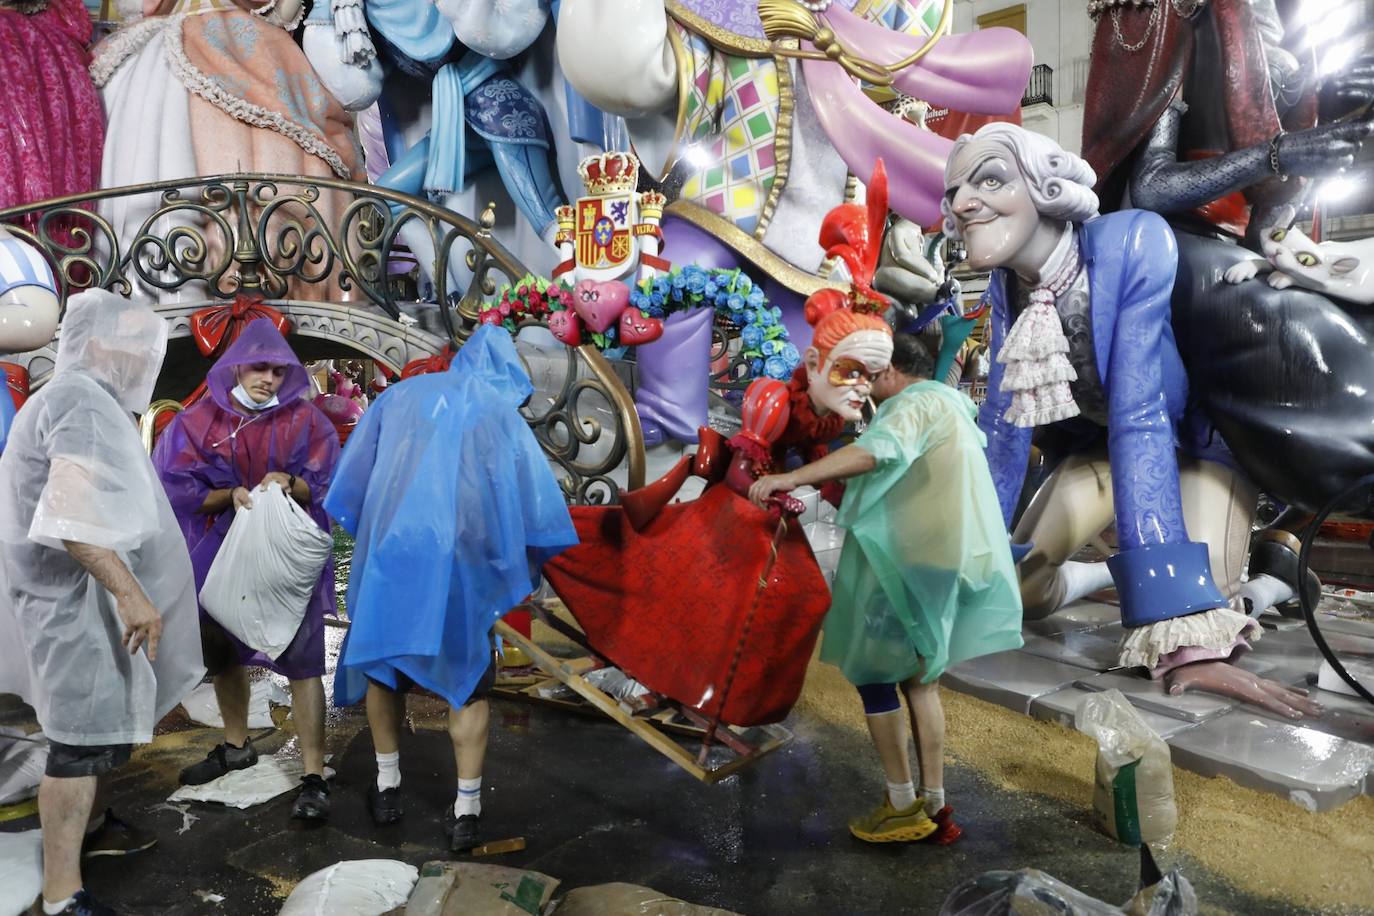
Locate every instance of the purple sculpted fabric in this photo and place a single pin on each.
(214, 445)
(981, 73)
(673, 378)
(740, 17)
(671, 395)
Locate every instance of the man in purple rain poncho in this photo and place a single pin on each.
(253, 429)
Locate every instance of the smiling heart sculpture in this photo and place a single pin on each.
(637, 329)
(600, 302)
(566, 327)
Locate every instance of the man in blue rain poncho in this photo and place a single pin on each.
(455, 510)
(925, 579)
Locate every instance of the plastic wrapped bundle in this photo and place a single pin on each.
(1030, 892)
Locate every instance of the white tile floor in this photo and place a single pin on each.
(1318, 763)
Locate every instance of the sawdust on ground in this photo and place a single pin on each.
(1256, 841)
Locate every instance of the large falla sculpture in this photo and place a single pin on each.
(756, 111)
(1083, 349)
(672, 593)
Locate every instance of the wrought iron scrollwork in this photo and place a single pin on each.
(256, 233)
(585, 421)
(266, 234)
(733, 374)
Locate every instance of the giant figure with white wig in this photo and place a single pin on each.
(1084, 353)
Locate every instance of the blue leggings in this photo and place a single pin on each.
(879, 698)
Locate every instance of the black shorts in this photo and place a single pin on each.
(69, 761)
(217, 650)
(480, 692)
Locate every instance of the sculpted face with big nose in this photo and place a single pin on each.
(990, 203)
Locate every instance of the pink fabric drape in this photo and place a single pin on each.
(54, 127)
(983, 72)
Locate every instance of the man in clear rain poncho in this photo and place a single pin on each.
(925, 578)
(98, 625)
(455, 510)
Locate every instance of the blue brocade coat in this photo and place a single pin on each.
(1131, 260)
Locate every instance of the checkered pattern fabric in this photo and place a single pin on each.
(732, 117)
(915, 17)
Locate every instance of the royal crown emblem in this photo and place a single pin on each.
(609, 173)
(612, 233)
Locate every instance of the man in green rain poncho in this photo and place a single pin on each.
(925, 579)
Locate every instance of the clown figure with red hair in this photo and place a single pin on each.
(925, 578)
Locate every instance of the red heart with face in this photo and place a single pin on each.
(566, 327)
(636, 329)
(600, 302)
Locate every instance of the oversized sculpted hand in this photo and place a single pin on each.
(1229, 681)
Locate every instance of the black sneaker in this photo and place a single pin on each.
(384, 805)
(83, 905)
(115, 837)
(221, 759)
(312, 802)
(463, 832)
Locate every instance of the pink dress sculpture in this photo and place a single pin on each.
(53, 124)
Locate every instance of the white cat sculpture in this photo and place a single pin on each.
(1343, 270)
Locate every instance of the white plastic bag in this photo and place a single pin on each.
(265, 571)
(21, 870)
(22, 761)
(1134, 795)
(362, 887)
(202, 705)
(271, 776)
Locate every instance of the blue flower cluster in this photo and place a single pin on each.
(733, 295)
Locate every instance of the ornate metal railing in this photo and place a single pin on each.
(570, 423)
(257, 233)
(281, 237)
(729, 367)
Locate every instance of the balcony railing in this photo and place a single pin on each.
(1040, 89)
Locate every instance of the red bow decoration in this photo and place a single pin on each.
(17, 381)
(217, 326)
(437, 363)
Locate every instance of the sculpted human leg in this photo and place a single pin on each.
(1073, 506)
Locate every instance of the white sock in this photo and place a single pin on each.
(935, 799)
(469, 799)
(388, 770)
(901, 795)
(1083, 579)
(52, 909)
(1264, 591)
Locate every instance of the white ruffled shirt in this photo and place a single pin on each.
(1035, 352)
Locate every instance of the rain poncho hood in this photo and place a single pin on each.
(214, 445)
(925, 579)
(115, 342)
(454, 510)
(74, 469)
(260, 342)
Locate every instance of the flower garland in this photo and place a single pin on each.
(734, 297)
(730, 293)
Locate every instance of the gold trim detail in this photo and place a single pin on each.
(782, 144)
(789, 275)
(789, 19)
(148, 422)
(625, 406)
(722, 39)
(684, 91)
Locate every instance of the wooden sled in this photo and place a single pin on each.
(660, 728)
